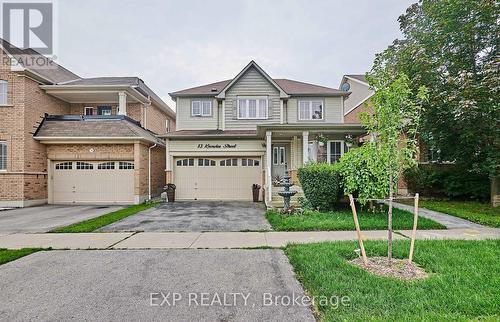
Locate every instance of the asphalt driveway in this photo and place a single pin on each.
(196, 216)
(127, 285)
(44, 218)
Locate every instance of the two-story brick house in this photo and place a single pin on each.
(246, 130)
(72, 140)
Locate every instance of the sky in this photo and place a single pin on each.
(173, 45)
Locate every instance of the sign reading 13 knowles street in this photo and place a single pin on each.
(216, 146)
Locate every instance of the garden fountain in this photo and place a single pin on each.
(287, 194)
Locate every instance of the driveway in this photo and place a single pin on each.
(126, 286)
(196, 216)
(44, 218)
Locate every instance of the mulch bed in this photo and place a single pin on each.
(399, 268)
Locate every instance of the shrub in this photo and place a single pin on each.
(433, 180)
(321, 184)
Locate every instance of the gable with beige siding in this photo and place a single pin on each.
(332, 110)
(185, 121)
(251, 84)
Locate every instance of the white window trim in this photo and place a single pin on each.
(201, 108)
(257, 99)
(6, 155)
(88, 108)
(328, 149)
(3, 81)
(310, 110)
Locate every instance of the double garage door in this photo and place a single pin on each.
(93, 182)
(209, 178)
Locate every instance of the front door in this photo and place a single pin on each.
(279, 160)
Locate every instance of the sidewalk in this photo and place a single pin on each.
(451, 222)
(184, 240)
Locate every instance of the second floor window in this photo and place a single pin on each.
(3, 92)
(201, 108)
(252, 108)
(310, 110)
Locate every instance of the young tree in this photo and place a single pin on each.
(373, 169)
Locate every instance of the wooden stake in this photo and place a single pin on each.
(358, 231)
(414, 232)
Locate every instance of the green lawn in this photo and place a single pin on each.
(478, 212)
(8, 255)
(464, 283)
(90, 225)
(343, 220)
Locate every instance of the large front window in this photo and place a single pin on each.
(310, 110)
(252, 108)
(335, 150)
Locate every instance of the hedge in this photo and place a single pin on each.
(447, 180)
(321, 184)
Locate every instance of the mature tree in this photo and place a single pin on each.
(373, 169)
(451, 48)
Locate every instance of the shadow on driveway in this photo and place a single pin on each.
(197, 216)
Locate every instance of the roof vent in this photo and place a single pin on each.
(345, 87)
(213, 89)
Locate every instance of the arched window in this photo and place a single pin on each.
(206, 163)
(64, 166)
(122, 165)
(4, 85)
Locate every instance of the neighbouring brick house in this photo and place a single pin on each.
(67, 139)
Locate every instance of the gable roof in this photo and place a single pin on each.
(288, 86)
(358, 77)
(251, 64)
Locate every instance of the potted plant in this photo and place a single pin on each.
(321, 139)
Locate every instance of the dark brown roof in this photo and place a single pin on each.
(291, 87)
(358, 77)
(211, 133)
(93, 127)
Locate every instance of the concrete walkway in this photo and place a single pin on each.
(184, 240)
(451, 222)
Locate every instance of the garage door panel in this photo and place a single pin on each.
(92, 186)
(215, 181)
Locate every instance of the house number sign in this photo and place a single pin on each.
(216, 146)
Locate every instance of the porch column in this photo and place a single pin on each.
(122, 103)
(305, 146)
(269, 158)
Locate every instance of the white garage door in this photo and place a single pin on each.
(216, 178)
(93, 182)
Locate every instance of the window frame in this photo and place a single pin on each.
(188, 161)
(257, 108)
(4, 84)
(83, 165)
(86, 108)
(104, 107)
(201, 114)
(4, 154)
(126, 165)
(329, 148)
(280, 155)
(310, 108)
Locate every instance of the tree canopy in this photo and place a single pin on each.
(451, 48)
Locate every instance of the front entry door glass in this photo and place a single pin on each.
(279, 162)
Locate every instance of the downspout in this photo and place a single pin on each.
(149, 170)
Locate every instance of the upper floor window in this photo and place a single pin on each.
(3, 92)
(3, 155)
(252, 108)
(89, 110)
(201, 108)
(310, 110)
(104, 110)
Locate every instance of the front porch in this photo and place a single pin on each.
(288, 147)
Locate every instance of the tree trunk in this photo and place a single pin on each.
(389, 222)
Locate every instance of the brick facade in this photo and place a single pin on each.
(24, 182)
